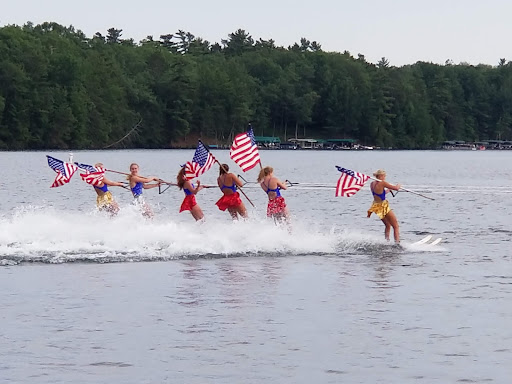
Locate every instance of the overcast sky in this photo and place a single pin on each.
(403, 31)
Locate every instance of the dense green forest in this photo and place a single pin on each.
(62, 89)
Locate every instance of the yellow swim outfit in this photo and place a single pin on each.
(104, 201)
(380, 208)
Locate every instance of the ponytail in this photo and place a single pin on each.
(223, 168)
(264, 172)
(181, 178)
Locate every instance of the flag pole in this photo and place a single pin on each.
(250, 127)
(160, 181)
(127, 187)
(401, 188)
(226, 171)
(129, 174)
(407, 190)
(121, 173)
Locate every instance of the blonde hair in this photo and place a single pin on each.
(131, 165)
(265, 172)
(379, 172)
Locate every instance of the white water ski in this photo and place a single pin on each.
(424, 240)
(436, 241)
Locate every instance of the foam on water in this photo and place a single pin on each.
(44, 234)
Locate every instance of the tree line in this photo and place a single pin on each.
(60, 89)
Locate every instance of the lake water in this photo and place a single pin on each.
(89, 299)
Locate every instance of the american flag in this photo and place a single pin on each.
(350, 182)
(201, 162)
(87, 167)
(244, 150)
(93, 178)
(64, 171)
(93, 175)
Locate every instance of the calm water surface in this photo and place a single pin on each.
(88, 299)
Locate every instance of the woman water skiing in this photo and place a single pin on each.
(189, 202)
(137, 184)
(380, 205)
(231, 201)
(276, 207)
(104, 200)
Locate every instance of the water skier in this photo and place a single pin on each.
(380, 205)
(104, 200)
(231, 201)
(189, 202)
(137, 184)
(276, 207)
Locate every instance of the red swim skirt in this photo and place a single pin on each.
(276, 206)
(188, 203)
(229, 201)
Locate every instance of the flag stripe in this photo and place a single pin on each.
(87, 167)
(64, 171)
(201, 162)
(350, 182)
(94, 178)
(244, 151)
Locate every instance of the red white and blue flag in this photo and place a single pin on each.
(201, 162)
(93, 178)
(93, 175)
(88, 168)
(64, 171)
(350, 182)
(244, 150)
